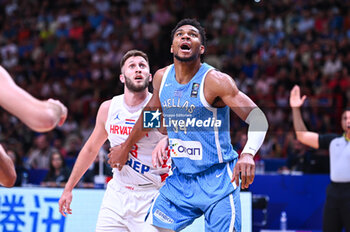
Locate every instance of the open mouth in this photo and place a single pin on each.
(138, 78)
(185, 47)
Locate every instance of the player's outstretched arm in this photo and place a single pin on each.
(118, 155)
(7, 169)
(85, 158)
(39, 115)
(222, 86)
(303, 135)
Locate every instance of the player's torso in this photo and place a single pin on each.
(138, 169)
(199, 134)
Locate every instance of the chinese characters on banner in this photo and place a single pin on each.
(36, 210)
(14, 213)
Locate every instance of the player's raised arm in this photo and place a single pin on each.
(303, 135)
(39, 115)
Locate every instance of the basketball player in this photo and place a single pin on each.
(206, 169)
(138, 182)
(40, 116)
(337, 207)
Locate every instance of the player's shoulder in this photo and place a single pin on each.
(116, 100)
(160, 72)
(105, 105)
(158, 76)
(217, 75)
(216, 78)
(103, 111)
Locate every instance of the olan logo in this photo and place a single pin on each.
(185, 149)
(151, 119)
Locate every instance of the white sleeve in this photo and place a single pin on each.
(257, 129)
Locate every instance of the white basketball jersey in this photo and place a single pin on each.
(138, 170)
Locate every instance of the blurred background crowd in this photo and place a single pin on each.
(70, 50)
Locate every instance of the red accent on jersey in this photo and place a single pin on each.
(108, 178)
(164, 176)
(134, 150)
(120, 130)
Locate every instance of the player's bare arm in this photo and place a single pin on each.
(7, 169)
(39, 115)
(118, 155)
(159, 154)
(219, 90)
(85, 158)
(303, 135)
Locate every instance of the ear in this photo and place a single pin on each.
(122, 78)
(202, 49)
(150, 77)
(171, 49)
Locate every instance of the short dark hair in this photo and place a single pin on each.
(192, 22)
(346, 109)
(132, 53)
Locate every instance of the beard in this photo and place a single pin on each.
(187, 59)
(135, 88)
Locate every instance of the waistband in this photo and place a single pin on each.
(134, 187)
(347, 184)
(207, 171)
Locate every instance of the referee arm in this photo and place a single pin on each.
(304, 136)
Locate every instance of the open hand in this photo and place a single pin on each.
(294, 99)
(245, 167)
(64, 203)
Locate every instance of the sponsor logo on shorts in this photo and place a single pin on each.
(163, 217)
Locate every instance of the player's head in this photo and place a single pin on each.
(194, 23)
(188, 40)
(345, 119)
(135, 71)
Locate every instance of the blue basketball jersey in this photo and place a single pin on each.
(199, 134)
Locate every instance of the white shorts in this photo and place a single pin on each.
(124, 208)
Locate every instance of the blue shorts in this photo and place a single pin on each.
(184, 198)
